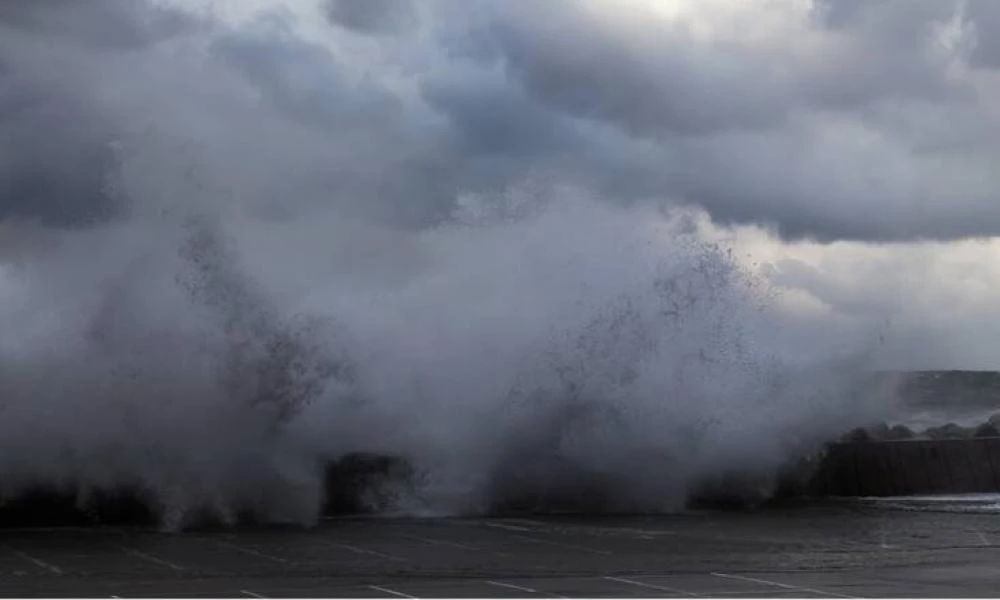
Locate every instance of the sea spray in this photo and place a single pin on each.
(583, 351)
(578, 351)
(169, 378)
(231, 277)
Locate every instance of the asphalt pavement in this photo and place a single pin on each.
(829, 551)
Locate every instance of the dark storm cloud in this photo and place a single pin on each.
(372, 16)
(495, 120)
(56, 163)
(749, 131)
(364, 155)
(567, 59)
(116, 24)
(56, 144)
(853, 120)
(302, 80)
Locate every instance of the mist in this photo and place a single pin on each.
(235, 259)
(576, 345)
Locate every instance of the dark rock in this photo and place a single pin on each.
(732, 492)
(879, 432)
(53, 507)
(550, 484)
(987, 429)
(798, 479)
(357, 483)
(900, 432)
(360, 483)
(859, 434)
(948, 431)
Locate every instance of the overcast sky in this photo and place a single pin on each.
(848, 147)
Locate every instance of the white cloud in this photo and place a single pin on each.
(932, 304)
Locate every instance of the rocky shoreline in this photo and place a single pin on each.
(951, 430)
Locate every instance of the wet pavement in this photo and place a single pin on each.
(830, 551)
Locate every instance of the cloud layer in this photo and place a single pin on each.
(830, 120)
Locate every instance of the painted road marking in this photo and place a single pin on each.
(775, 593)
(251, 594)
(357, 550)
(981, 536)
(511, 586)
(391, 592)
(541, 526)
(36, 561)
(508, 527)
(659, 588)
(786, 586)
(435, 542)
(251, 552)
(534, 540)
(521, 588)
(640, 531)
(153, 559)
(883, 540)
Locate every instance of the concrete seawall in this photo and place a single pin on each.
(360, 483)
(909, 467)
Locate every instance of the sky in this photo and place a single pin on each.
(845, 149)
(515, 242)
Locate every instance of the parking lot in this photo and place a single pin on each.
(819, 551)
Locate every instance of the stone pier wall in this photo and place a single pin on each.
(909, 467)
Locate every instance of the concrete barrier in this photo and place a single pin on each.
(356, 483)
(362, 483)
(909, 467)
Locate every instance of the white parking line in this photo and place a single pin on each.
(508, 527)
(386, 590)
(535, 540)
(435, 542)
(36, 561)
(646, 534)
(538, 526)
(535, 524)
(884, 541)
(659, 588)
(251, 552)
(357, 550)
(786, 586)
(153, 559)
(776, 593)
(251, 594)
(521, 588)
(511, 586)
(981, 536)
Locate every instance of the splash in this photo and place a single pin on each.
(609, 355)
(256, 295)
(571, 351)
